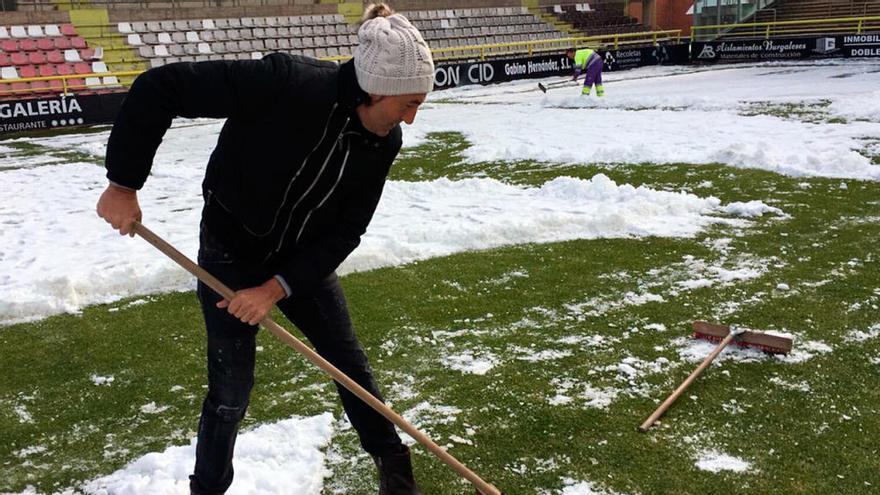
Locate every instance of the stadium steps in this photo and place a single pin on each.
(535, 9)
(349, 10)
(94, 25)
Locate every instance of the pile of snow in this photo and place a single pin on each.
(37, 277)
(715, 462)
(285, 457)
(642, 119)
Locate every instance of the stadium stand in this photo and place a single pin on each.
(447, 28)
(46, 51)
(321, 36)
(174, 40)
(798, 10)
(596, 18)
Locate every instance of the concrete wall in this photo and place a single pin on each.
(636, 8)
(671, 14)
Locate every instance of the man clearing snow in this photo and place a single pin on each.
(587, 60)
(290, 189)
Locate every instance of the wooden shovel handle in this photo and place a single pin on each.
(686, 383)
(334, 373)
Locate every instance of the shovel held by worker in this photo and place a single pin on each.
(277, 330)
(726, 335)
(545, 87)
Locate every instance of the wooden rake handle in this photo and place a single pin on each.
(334, 373)
(687, 382)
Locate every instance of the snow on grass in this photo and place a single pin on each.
(102, 380)
(801, 386)
(598, 306)
(466, 362)
(714, 461)
(707, 274)
(152, 408)
(283, 457)
(534, 356)
(574, 487)
(36, 278)
(540, 127)
(751, 209)
(872, 332)
(24, 416)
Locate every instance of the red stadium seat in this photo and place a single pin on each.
(45, 44)
(19, 58)
(27, 71)
(68, 30)
(56, 85)
(5, 89)
(76, 84)
(48, 70)
(64, 69)
(87, 54)
(82, 68)
(20, 87)
(40, 85)
(9, 46)
(37, 58)
(78, 42)
(55, 57)
(27, 45)
(4, 60)
(61, 43)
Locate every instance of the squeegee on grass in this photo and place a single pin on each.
(725, 335)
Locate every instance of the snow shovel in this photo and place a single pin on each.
(549, 86)
(773, 344)
(334, 373)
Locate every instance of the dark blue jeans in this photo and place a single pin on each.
(321, 315)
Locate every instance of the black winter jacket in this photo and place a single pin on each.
(294, 179)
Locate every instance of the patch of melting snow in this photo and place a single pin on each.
(862, 335)
(23, 415)
(102, 380)
(530, 355)
(37, 449)
(574, 487)
(714, 461)
(466, 362)
(751, 209)
(799, 386)
(152, 408)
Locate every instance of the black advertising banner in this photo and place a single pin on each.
(58, 111)
(860, 45)
(755, 50)
(855, 45)
(630, 58)
(451, 75)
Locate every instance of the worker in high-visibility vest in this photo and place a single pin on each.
(589, 62)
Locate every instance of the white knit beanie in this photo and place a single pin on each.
(392, 58)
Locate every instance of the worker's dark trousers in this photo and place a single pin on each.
(323, 318)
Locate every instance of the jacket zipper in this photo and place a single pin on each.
(338, 178)
(312, 185)
(301, 168)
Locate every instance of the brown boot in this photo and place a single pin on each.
(395, 474)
